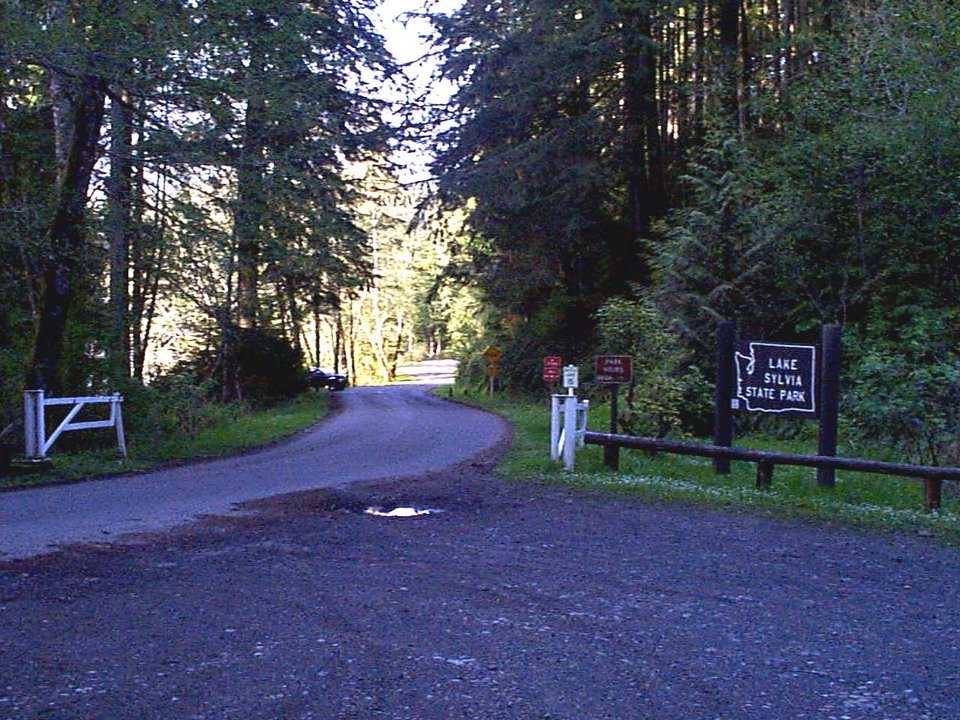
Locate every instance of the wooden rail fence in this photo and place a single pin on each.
(932, 477)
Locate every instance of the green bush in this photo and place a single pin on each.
(178, 407)
(269, 369)
(562, 327)
(472, 373)
(668, 393)
(905, 385)
(254, 366)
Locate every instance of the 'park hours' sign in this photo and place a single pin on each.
(775, 378)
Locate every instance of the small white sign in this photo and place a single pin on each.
(571, 376)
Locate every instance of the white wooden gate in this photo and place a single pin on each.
(37, 444)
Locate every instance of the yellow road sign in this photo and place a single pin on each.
(492, 354)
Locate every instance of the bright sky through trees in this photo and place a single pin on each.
(408, 38)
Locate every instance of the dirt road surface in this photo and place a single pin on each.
(517, 601)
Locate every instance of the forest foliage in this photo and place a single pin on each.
(182, 182)
(655, 166)
(198, 196)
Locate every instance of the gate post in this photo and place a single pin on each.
(116, 415)
(555, 427)
(34, 428)
(569, 431)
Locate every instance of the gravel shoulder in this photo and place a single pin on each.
(519, 600)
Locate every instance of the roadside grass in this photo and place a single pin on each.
(862, 499)
(234, 432)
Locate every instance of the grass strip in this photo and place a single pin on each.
(860, 499)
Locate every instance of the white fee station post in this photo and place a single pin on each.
(568, 424)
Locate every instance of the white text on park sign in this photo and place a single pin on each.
(776, 378)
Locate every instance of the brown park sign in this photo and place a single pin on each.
(613, 369)
(775, 378)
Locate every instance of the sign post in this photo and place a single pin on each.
(829, 402)
(571, 381)
(493, 356)
(613, 370)
(723, 408)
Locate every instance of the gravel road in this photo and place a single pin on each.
(517, 601)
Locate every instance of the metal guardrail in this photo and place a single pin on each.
(932, 477)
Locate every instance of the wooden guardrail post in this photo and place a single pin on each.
(829, 403)
(611, 453)
(932, 491)
(932, 476)
(764, 474)
(723, 412)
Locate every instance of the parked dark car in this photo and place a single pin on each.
(318, 378)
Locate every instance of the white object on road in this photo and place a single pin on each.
(401, 512)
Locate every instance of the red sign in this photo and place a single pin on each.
(613, 369)
(551, 368)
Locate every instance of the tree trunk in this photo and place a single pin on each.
(248, 215)
(315, 302)
(699, 72)
(66, 234)
(147, 253)
(351, 345)
(641, 137)
(729, 14)
(338, 341)
(119, 198)
(777, 70)
(58, 17)
(296, 317)
(743, 76)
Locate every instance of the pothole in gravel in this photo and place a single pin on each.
(401, 512)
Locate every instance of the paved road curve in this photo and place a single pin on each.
(380, 432)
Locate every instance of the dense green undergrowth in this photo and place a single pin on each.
(227, 429)
(857, 498)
